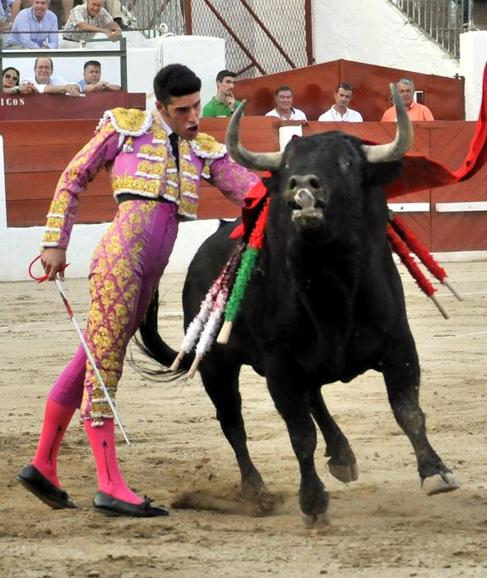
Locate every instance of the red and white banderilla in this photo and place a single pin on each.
(82, 339)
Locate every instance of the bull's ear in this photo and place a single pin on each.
(382, 173)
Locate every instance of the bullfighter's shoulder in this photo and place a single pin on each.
(207, 147)
(126, 121)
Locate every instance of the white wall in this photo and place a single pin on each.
(473, 57)
(375, 32)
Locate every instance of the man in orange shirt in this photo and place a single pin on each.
(415, 110)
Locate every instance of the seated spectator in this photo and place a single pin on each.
(223, 103)
(61, 8)
(3, 18)
(45, 83)
(283, 97)
(34, 27)
(415, 110)
(87, 19)
(340, 111)
(10, 80)
(114, 8)
(92, 81)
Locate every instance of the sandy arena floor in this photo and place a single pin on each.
(382, 525)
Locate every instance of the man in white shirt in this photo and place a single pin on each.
(339, 111)
(45, 83)
(283, 97)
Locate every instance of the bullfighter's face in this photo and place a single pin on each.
(182, 114)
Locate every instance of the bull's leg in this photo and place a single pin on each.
(293, 407)
(342, 463)
(402, 377)
(221, 384)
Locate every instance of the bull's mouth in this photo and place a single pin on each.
(306, 207)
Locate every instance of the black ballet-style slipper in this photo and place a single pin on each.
(33, 481)
(111, 506)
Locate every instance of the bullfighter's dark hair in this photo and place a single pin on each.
(223, 73)
(344, 85)
(91, 63)
(283, 88)
(175, 80)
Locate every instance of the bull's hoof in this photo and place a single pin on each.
(440, 483)
(316, 520)
(345, 474)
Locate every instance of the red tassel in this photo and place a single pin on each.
(403, 251)
(418, 248)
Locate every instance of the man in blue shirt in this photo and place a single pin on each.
(35, 27)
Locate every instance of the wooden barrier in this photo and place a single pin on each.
(37, 152)
(313, 88)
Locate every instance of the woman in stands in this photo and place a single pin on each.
(10, 80)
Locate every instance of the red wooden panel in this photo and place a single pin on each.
(444, 96)
(457, 231)
(27, 186)
(59, 106)
(98, 210)
(311, 86)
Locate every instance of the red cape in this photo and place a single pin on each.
(418, 172)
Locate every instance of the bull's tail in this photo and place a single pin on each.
(152, 344)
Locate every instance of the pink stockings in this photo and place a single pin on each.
(102, 440)
(110, 480)
(56, 421)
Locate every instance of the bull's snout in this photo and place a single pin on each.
(304, 192)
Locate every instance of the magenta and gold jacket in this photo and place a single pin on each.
(135, 148)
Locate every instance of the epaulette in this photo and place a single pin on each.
(127, 121)
(207, 147)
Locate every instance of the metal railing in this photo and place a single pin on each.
(121, 53)
(442, 20)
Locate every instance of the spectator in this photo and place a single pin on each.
(92, 81)
(415, 110)
(283, 97)
(3, 18)
(34, 27)
(61, 8)
(114, 8)
(223, 103)
(340, 111)
(10, 80)
(87, 19)
(45, 83)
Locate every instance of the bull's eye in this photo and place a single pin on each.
(345, 164)
(292, 183)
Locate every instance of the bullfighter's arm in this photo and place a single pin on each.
(100, 151)
(233, 180)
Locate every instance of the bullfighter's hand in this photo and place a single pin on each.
(53, 260)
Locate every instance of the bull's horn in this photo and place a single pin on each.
(395, 150)
(259, 161)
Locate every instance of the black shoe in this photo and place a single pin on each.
(32, 479)
(112, 507)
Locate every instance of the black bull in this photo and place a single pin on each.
(325, 304)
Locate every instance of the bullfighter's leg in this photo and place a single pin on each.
(342, 463)
(221, 384)
(293, 407)
(402, 376)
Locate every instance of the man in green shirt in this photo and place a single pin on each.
(223, 103)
